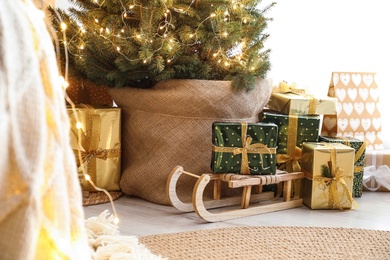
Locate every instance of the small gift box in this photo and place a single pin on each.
(377, 173)
(82, 91)
(95, 137)
(377, 158)
(293, 130)
(244, 148)
(328, 181)
(376, 178)
(301, 103)
(360, 156)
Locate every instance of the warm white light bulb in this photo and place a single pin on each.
(63, 26)
(79, 125)
(87, 177)
(65, 84)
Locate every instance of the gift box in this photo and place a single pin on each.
(377, 158)
(328, 181)
(293, 130)
(377, 173)
(359, 161)
(82, 91)
(297, 103)
(376, 178)
(95, 137)
(357, 108)
(244, 148)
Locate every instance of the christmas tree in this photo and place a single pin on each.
(137, 43)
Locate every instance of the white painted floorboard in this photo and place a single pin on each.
(139, 217)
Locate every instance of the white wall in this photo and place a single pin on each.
(311, 39)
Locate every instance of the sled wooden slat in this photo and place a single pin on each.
(251, 203)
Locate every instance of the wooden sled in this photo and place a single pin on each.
(251, 203)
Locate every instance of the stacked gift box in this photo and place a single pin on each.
(328, 181)
(359, 160)
(297, 114)
(298, 117)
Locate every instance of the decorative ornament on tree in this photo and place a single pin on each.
(138, 43)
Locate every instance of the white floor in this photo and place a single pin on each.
(139, 217)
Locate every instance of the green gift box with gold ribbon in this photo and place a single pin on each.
(293, 131)
(359, 161)
(244, 148)
(328, 169)
(95, 137)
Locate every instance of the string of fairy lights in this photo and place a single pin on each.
(168, 41)
(79, 126)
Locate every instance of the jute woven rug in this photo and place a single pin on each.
(272, 243)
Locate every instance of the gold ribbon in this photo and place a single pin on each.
(358, 154)
(290, 161)
(247, 147)
(336, 179)
(89, 142)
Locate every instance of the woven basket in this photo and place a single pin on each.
(170, 125)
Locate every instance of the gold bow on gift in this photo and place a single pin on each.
(247, 147)
(89, 142)
(284, 87)
(290, 161)
(333, 182)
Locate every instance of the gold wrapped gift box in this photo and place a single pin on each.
(328, 181)
(96, 141)
(302, 104)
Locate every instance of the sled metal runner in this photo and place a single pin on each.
(251, 202)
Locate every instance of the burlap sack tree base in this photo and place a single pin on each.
(170, 125)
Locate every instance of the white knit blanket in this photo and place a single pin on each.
(41, 214)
